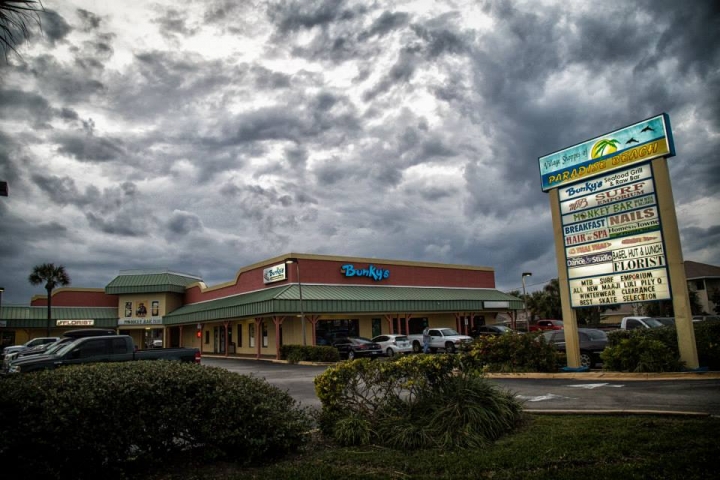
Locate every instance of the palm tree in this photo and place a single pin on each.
(14, 16)
(53, 277)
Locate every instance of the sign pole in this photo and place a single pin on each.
(676, 267)
(572, 342)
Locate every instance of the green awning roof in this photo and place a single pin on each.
(336, 299)
(31, 317)
(150, 283)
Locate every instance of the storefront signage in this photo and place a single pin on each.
(274, 273)
(140, 321)
(642, 286)
(638, 143)
(371, 271)
(614, 248)
(496, 304)
(75, 323)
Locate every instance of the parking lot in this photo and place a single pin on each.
(573, 394)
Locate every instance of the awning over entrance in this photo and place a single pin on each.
(330, 299)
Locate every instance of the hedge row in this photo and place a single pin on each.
(307, 353)
(656, 349)
(90, 420)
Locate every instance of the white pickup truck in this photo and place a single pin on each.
(631, 323)
(440, 338)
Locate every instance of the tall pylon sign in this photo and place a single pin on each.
(616, 233)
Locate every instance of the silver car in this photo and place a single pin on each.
(394, 344)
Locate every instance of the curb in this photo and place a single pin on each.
(619, 412)
(624, 376)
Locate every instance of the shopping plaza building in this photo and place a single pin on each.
(297, 299)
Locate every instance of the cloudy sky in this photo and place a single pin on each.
(203, 136)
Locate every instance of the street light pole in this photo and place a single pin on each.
(527, 317)
(302, 314)
(1, 336)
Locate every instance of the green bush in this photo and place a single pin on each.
(514, 352)
(417, 401)
(707, 339)
(309, 353)
(640, 353)
(84, 420)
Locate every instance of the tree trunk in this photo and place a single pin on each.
(49, 316)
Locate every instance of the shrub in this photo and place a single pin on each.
(641, 353)
(418, 401)
(84, 420)
(707, 339)
(309, 353)
(514, 353)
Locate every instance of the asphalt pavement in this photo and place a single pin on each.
(577, 392)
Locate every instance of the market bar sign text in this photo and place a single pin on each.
(140, 321)
(371, 271)
(641, 142)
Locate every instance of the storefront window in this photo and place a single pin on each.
(239, 336)
(328, 330)
(264, 335)
(251, 334)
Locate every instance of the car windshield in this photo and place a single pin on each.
(361, 340)
(596, 334)
(58, 345)
(653, 322)
(401, 338)
(447, 332)
(503, 328)
(64, 348)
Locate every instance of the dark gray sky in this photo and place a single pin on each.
(204, 136)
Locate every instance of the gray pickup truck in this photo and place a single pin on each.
(111, 348)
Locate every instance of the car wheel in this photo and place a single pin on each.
(417, 348)
(351, 355)
(390, 352)
(586, 360)
(450, 347)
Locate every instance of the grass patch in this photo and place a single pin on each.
(548, 447)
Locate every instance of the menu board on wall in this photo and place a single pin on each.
(613, 242)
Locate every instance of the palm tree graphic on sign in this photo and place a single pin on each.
(604, 147)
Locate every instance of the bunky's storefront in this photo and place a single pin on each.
(304, 299)
(298, 299)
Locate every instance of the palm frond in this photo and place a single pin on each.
(15, 15)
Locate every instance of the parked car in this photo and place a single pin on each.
(491, 330)
(393, 344)
(356, 347)
(447, 339)
(705, 318)
(631, 323)
(666, 321)
(592, 343)
(543, 325)
(102, 349)
(29, 344)
(49, 348)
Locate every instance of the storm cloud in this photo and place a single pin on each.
(205, 136)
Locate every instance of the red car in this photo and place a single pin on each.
(543, 325)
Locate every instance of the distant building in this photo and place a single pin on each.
(704, 279)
